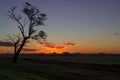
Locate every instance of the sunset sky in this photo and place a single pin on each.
(85, 26)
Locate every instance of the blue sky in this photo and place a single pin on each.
(90, 24)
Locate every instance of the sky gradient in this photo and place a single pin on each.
(85, 26)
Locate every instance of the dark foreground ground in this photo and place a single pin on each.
(60, 67)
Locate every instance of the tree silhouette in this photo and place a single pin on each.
(33, 18)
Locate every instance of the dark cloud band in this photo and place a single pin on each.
(6, 44)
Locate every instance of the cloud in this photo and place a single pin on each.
(26, 49)
(117, 34)
(70, 44)
(6, 44)
(51, 45)
(57, 46)
(99, 40)
(42, 43)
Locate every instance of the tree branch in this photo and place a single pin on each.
(12, 15)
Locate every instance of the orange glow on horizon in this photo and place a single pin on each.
(83, 48)
(51, 50)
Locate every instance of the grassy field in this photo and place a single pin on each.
(60, 67)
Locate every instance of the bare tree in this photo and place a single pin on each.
(34, 18)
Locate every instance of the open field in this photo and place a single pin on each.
(60, 67)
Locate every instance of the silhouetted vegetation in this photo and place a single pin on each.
(65, 53)
(34, 18)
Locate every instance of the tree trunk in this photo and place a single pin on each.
(15, 56)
